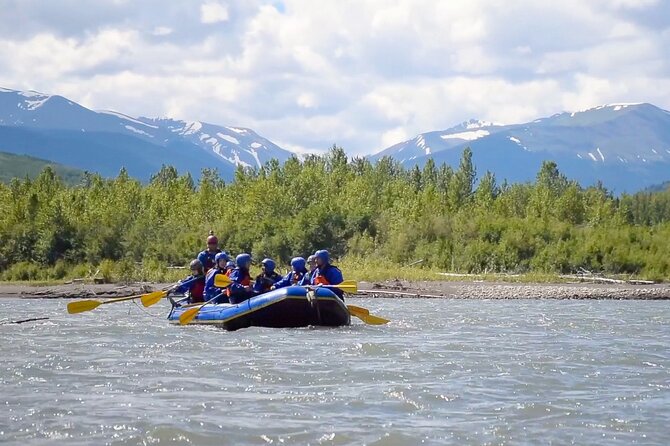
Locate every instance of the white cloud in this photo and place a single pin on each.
(306, 100)
(393, 136)
(363, 75)
(213, 12)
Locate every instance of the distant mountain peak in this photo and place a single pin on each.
(38, 124)
(626, 145)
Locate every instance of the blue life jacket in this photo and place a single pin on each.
(293, 278)
(207, 259)
(265, 281)
(210, 289)
(328, 275)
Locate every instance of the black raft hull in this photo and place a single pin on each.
(283, 308)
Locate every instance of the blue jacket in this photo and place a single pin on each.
(293, 278)
(207, 259)
(265, 282)
(210, 289)
(240, 279)
(195, 285)
(328, 275)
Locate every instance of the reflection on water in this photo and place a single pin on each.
(443, 371)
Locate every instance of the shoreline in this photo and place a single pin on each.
(381, 289)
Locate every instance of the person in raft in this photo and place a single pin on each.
(311, 263)
(229, 267)
(266, 280)
(194, 285)
(240, 290)
(207, 256)
(221, 260)
(298, 275)
(325, 273)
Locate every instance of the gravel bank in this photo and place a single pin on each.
(499, 290)
(397, 289)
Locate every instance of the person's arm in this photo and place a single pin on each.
(184, 285)
(284, 281)
(258, 284)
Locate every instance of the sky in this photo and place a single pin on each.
(362, 74)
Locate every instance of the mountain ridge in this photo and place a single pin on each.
(627, 146)
(56, 128)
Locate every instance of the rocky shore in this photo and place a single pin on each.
(387, 289)
(504, 290)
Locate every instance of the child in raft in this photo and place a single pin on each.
(326, 273)
(220, 267)
(241, 289)
(194, 285)
(266, 280)
(298, 275)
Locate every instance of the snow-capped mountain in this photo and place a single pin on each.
(55, 128)
(626, 146)
(427, 144)
(237, 145)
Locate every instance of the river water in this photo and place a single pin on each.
(442, 372)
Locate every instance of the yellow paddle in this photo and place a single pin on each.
(81, 306)
(190, 314)
(350, 286)
(364, 315)
(147, 299)
(220, 281)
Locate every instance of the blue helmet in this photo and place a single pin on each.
(298, 264)
(323, 255)
(230, 265)
(269, 265)
(221, 256)
(243, 260)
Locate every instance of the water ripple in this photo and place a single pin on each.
(442, 372)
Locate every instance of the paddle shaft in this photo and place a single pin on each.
(190, 314)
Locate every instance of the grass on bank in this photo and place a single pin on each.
(353, 268)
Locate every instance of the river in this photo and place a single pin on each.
(442, 372)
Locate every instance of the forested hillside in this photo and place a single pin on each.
(355, 209)
(21, 166)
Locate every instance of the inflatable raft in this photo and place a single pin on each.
(283, 308)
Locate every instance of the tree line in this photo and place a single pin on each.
(451, 217)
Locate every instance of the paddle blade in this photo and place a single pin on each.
(222, 281)
(188, 315)
(364, 315)
(359, 310)
(374, 320)
(152, 298)
(81, 306)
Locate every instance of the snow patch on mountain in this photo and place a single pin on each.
(468, 136)
(228, 138)
(138, 131)
(421, 143)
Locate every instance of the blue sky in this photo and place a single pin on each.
(362, 74)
